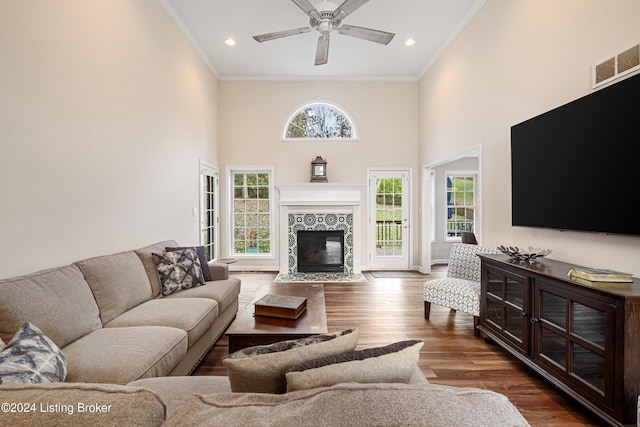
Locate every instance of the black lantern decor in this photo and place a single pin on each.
(319, 170)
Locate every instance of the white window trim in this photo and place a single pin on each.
(457, 173)
(272, 230)
(333, 105)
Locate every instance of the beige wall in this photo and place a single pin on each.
(252, 116)
(515, 60)
(105, 112)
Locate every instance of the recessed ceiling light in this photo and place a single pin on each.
(230, 42)
(410, 42)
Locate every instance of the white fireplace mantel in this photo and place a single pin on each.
(320, 194)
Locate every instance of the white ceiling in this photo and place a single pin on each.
(207, 23)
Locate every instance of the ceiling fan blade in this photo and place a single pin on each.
(377, 36)
(322, 53)
(307, 8)
(347, 8)
(272, 36)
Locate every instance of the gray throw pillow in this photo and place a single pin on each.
(31, 357)
(393, 363)
(206, 273)
(178, 270)
(261, 369)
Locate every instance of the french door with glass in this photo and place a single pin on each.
(389, 219)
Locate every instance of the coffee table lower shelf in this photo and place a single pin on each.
(248, 330)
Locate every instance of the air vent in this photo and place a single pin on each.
(612, 68)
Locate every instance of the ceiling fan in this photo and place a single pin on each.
(326, 17)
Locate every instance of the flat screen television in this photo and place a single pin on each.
(576, 167)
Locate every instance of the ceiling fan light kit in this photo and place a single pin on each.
(324, 18)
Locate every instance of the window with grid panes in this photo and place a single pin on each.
(461, 204)
(251, 211)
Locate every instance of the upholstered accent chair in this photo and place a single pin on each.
(460, 290)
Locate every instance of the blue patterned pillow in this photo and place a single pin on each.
(31, 357)
(178, 270)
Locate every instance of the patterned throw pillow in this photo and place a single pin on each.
(31, 357)
(178, 270)
(393, 363)
(201, 256)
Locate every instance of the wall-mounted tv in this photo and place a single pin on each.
(577, 167)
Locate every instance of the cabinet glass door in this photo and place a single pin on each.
(570, 338)
(506, 306)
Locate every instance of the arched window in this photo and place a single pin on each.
(319, 121)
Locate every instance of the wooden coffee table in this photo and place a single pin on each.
(248, 330)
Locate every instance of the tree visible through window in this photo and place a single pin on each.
(460, 204)
(319, 121)
(251, 212)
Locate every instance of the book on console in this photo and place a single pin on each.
(600, 275)
(283, 306)
(610, 286)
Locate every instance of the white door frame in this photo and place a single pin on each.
(207, 169)
(403, 262)
(428, 209)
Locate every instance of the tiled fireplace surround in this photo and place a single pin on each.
(320, 206)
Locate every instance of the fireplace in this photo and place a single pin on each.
(320, 251)
(335, 224)
(329, 210)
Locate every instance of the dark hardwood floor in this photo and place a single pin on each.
(389, 310)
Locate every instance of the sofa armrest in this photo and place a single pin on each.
(81, 405)
(219, 270)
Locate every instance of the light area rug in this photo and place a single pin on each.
(320, 277)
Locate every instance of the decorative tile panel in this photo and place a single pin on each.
(320, 222)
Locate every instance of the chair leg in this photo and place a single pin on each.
(427, 309)
(476, 322)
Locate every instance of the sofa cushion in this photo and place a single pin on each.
(261, 369)
(393, 363)
(147, 260)
(192, 315)
(81, 405)
(58, 300)
(118, 282)
(225, 292)
(353, 405)
(122, 355)
(178, 270)
(202, 257)
(31, 357)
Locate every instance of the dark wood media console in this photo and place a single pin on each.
(583, 338)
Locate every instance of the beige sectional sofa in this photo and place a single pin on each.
(110, 320)
(208, 401)
(129, 350)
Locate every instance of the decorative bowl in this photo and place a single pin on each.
(531, 255)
